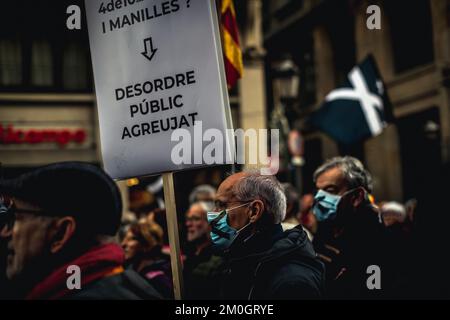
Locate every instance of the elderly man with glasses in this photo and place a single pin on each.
(261, 261)
(59, 227)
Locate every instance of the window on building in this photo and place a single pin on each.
(10, 63)
(411, 33)
(75, 76)
(41, 64)
(342, 42)
(45, 57)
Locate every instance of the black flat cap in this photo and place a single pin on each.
(76, 189)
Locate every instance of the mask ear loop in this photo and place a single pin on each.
(245, 227)
(220, 233)
(224, 212)
(241, 229)
(365, 196)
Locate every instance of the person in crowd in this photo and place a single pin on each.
(261, 261)
(291, 219)
(204, 193)
(63, 220)
(430, 264)
(197, 227)
(292, 207)
(142, 245)
(307, 218)
(141, 201)
(399, 240)
(158, 216)
(351, 236)
(393, 213)
(201, 265)
(5, 219)
(128, 218)
(410, 207)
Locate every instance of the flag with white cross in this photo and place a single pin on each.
(357, 110)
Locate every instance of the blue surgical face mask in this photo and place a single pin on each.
(222, 234)
(326, 204)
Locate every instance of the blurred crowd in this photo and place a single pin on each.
(251, 238)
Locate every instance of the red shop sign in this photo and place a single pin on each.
(10, 135)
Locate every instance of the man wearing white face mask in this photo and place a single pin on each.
(351, 236)
(261, 261)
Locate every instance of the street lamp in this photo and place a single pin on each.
(287, 75)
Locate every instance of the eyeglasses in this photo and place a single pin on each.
(220, 206)
(6, 208)
(8, 211)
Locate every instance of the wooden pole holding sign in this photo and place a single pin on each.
(174, 241)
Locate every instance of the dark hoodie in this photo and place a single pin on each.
(273, 264)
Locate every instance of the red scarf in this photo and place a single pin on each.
(98, 262)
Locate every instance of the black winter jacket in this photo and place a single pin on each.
(128, 285)
(273, 265)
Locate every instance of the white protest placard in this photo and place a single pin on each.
(157, 67)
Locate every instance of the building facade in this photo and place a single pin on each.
(47, 103)
(325, 39)
(47, 99)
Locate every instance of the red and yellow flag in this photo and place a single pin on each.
(232, 51)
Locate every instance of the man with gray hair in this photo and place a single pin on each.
(261, 261)
(341, 181)
(204, 193)
(351, 236)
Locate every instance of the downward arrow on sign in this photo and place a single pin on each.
(149, 50)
